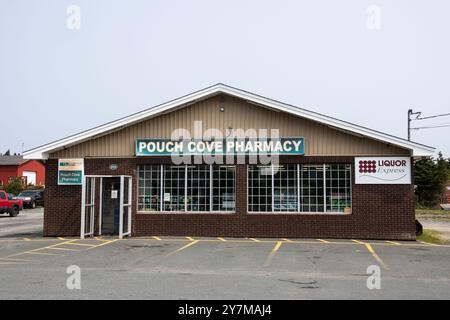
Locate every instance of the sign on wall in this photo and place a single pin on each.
(70, 171)
(167, 147)
(382, 170)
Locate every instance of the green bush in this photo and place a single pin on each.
(15, 186)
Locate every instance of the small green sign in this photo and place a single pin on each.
(70, 177)
(167, 147)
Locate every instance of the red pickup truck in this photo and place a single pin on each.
(8, 205)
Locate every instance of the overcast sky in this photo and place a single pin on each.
(366, 62)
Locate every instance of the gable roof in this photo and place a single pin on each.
(42, 152)
(11, 160)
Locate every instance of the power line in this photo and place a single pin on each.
(431, 117)
(432, 127)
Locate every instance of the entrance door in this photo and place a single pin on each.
(114, 206)
(110, 205)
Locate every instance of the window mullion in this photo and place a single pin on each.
(298, 187)
(273, 189)
(161, 194)
(210, 188)
(324, 188)
(185, 187)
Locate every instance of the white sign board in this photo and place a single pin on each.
(383, 170)
(70, 171)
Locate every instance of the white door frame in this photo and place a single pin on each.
(89, 208)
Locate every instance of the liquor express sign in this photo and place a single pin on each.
(70, 171)
(167, 147)
(383, 170)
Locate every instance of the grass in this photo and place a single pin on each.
(430, 236)
(432, 212)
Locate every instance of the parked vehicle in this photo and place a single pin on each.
(32, 198)
(8, 205)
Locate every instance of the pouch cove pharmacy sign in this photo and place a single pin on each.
(167, 147)
(70, 171)
(383, 170)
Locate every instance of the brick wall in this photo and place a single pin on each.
(378, 211)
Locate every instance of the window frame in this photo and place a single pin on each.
(299, 195)
(185, 212)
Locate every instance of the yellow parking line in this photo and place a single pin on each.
(183, 247)
(429, 244)
(44, 253)
(256, 240)
(394, 243)
(81, 244)
(27, 239)
(221, 239)
(157, 238)
(103, 244)
(64, 249)
(357, 241)
(287, 240)
(10, 262)
(61, 238)
(323, 241)
(375, 255)
(15, 260)
(190, 238)
(272, 253)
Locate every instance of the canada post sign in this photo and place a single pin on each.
(382, 170)
(168, 147)
(70, 171)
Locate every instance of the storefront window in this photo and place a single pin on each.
(223, 179)
(198, 188)
(174, 188)
(260, 188)
(311, 188)
(300, 188)
(338, 186)
(186, 188)
(149, 190)
(285, 188)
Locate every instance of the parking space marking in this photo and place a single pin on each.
(256, 240)
(288, 240)
(183, 247)
(221, 239)
(376, 256)
(429, 244)
(156, 238)
(190, 238)
(394, 243)
(44, 253)
(359, 242)
(272, 253)
(81, 244)
(63, 249)
(323, 241)
(103, 244)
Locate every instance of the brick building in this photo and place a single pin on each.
(226, 162)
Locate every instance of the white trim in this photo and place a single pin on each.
(43, 152)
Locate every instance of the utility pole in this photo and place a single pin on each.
(410, 113)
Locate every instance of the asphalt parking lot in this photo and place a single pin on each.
(221, 268)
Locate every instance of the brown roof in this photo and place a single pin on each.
(11, 160)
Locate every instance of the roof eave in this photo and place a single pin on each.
(43, 152)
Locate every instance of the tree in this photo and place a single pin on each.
(431, 177)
